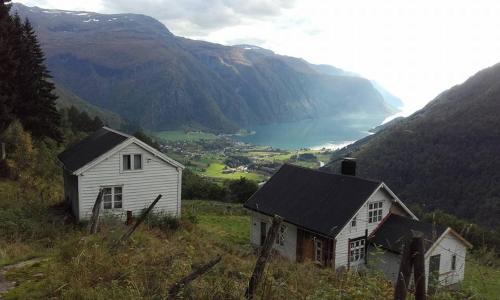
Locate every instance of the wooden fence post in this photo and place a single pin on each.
(130, 217)
(3, 154)
(404, 273)
(94, 219)
(140, 220)
(413, 257)
(418, 265)
(175, 288)
(260, 264)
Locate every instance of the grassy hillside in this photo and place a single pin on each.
(444, 156)
(74, 265)
(43, 254)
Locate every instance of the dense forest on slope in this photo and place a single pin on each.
(132, 65)
(444, 156)
(66, 100)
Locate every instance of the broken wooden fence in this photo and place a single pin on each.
(129, 232)
(94, 219)
(176, 287)
(412, 258)
(261, 262)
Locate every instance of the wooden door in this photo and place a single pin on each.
(434, 262)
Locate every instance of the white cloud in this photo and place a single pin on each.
(416, 49)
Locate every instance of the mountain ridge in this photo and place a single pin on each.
(133, 65)
(443, 156)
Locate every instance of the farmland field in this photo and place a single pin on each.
(179, 135)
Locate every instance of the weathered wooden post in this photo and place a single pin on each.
(176, 287)
(413, 257)
(94, 219)
(3, 154)
(260, 265)
(418, 265)
(130, 218)
(404, 273)
(140, 220)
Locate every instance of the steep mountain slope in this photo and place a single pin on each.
(66, 99)
(131, 64)
(444, 156)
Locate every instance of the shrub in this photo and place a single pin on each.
(240, 190)
(163, 221)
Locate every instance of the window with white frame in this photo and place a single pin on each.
(375, 212)
(318, 250)
(132, 162)
(112, 197)
(357, 250)
(354, 221)
(280, 239)
(453, 262)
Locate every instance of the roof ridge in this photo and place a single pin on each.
(334, 174)
(116, 131)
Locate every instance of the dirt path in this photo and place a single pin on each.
(6, 285)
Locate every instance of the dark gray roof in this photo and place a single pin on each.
(395, 230)
(90, 148)
(319, 201)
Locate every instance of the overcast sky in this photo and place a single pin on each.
(416, 49)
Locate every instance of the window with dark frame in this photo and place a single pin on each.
(132, 162)
(112, 197)
(375, 212)
(280, 239)
(137, 161)
(318, 250)
(353, 221)
(127, 164)
(453, 262)
(357, 250)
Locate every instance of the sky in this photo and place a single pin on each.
(415, 49)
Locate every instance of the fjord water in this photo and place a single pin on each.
(325, 132)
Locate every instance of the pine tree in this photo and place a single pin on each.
(8, 66)
(35, 107)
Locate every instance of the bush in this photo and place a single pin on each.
(196, 187)
(163, 221)
(240, 190)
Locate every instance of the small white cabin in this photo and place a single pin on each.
(445, 250)
(336, 221)
(130, 172)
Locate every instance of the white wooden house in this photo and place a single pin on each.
(130, 172)
(334, 220)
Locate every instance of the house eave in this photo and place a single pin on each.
(293, 223)
(130, 140)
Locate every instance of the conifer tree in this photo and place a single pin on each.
(8, 66)
(26, 89)
(37, 110)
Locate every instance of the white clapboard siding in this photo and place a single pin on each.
(349, 232)
(289, 247)
(140, 188)
(446, 248)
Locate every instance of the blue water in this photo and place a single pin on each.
(315, 134)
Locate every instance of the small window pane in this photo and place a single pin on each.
(107, 201)
(118, 201)
(137, 161)
(118, 190)
(126, 162)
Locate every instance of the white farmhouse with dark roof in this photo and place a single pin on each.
(130, 172)
(335, 220)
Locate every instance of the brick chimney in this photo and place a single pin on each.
(348, 166)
